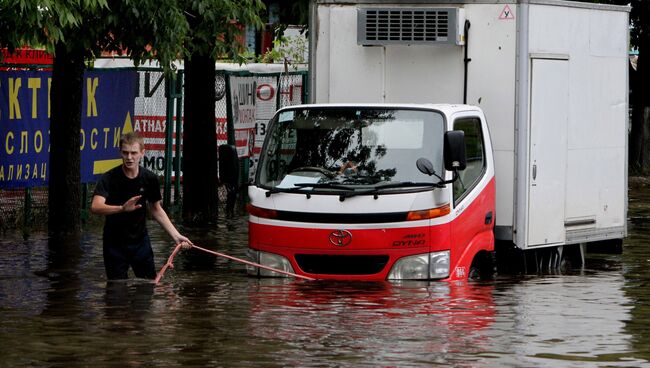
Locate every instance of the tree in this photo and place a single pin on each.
(639, 154)
(214, 30)
(33, 23)
(76, 32)
(167, 30)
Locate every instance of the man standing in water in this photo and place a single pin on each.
(121, 195)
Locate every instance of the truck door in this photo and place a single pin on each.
(473, 193)
(549, 114)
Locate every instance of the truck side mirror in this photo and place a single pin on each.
(228, 164)
(454, 150)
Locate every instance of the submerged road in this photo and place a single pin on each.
(57, 310)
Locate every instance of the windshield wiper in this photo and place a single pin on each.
(402, 184)
(349, 190)
(407, 184)
(282, 190)
(300, 188)
(330, 184)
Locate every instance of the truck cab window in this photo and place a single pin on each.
(359, 148)
(475, 153)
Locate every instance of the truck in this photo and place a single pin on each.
(443, 138)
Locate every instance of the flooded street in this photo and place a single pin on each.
(57, 310)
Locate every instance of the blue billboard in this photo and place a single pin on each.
(106, 114)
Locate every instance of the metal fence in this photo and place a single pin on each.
(155, 104)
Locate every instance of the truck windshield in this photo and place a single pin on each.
(350, 148)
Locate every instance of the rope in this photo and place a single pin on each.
(170, 264)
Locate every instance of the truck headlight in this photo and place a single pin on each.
(269, 260)
(411, 268)
(425, 266)
(439, 265)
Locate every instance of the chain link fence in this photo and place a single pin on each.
(245, 102)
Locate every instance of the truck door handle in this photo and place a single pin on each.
(488, 218)
(534, 171)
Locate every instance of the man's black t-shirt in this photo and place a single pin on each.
(127, 227)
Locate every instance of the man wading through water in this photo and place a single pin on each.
(121, 195)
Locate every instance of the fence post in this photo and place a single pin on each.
(168, 141)
(278, 98)
(230, 123)
(179, 136)
(305, 88)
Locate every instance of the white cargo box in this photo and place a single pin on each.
(550, 75)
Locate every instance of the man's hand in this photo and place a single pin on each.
(183, 241)
(131, 204)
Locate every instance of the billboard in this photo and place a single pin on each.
(106, 114)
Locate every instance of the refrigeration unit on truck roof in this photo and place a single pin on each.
(410, 25)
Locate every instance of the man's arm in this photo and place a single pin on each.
(161, 217)
(99, 206)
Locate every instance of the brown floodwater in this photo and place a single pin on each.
(56, 309)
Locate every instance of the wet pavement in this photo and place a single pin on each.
(56, 309)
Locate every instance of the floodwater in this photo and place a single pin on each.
(56, 309)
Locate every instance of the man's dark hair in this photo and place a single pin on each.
(132, 138)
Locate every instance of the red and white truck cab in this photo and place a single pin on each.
(374, 192)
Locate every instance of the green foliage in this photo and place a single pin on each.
(287, 49)
(44, 23)
(152, 29)
(295, 12)
(215, 26)
(640, 20)
(290, 50)
(166, 30)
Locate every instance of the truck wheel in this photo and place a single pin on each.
(482, 267)
(474, 273)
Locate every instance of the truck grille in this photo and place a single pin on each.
(341, 265)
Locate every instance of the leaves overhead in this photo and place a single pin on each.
(216, 25)
(640, 19)
(166, 30)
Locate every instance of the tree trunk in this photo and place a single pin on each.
(64, 204)
(639, 141)
(200, 200)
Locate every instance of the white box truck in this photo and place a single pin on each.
(539, 88)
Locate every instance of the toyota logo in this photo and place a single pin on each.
(340, 238)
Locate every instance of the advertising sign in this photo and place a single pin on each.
(25, 124)
(26, 55)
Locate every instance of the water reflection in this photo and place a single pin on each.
(20, 288)
(62, 272)
(376, 324)
(56, 309)
(126, 301)
(566, 320)
(635, 263)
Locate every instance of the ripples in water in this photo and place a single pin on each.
(57, 310)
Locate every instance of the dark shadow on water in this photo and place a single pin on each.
(62, 308)
(128, 300)
(62, 271)
(195, 260)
